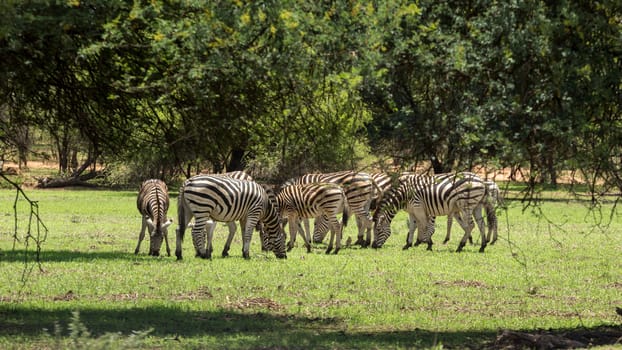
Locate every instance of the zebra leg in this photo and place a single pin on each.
(368, 233)
(479, 220)
(334, 229)
(168, 249)
(429, 231)
(307, 230)
(450, 220)
(248, 225)
(198, 237)
(293, 231)
(306, 235)
(339, 230)
(368, 222)
(361, 231)
(412, 226)
(210, 235)
(141, 235)
(467, 227)
(231, 225)
(491, 217)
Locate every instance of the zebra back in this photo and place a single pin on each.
(311, 200)
(153, 201)
(359, 187)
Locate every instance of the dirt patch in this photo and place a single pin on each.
(462, 283)
(570, 339)
(70, 295)
(255, 303)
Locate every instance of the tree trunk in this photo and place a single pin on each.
(236, 162)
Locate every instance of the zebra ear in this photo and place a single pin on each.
(150, 224)
(167, 223)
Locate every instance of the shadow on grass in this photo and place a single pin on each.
(20, 255)
(256, 329)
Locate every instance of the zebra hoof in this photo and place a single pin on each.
(328, 250)
(225, 254)
(446, 240)
(336, 251)
(481, 250)
(460, 247)
(360, 242)
(406, 246)
(247, 256)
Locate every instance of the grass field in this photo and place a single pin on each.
(557, 274)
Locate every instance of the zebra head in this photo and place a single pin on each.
(382, 229)
(157, 232)
(277, 244)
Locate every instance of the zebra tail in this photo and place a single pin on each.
(346, 212)
(181, 214)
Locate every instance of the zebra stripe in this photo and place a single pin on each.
(414, 178)
(224, 199)
(359, 188)
(152, 203)
(239, 175)
(489, 205)
(430, 196)
(314, 200)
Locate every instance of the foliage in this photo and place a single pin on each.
(177, 87)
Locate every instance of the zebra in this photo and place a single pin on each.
(239, 175)
(313, 200)
(419, 179)
(452, 194)
(224, 199)
(382, 183)
(359, 189)
(488, 204)
(152, 203)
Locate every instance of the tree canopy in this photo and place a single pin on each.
(286, 87)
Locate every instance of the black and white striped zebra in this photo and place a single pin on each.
(456, 195)
(152, 203)
(239, 175)
(382, 183)
(224, 199)
(359, 188)
(313, 200)
(414, 179)
(489, 205)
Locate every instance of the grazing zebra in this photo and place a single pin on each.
(314, 200)
(152, 203)
(489, 205)
(224, 199)
(418, 179)
(239, 175)
(359, 189)
(382, 183)
(456, 194)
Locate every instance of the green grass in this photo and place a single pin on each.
(559, 271)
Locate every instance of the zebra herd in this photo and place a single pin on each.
(235, 196)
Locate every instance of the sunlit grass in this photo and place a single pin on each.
(554, 271)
